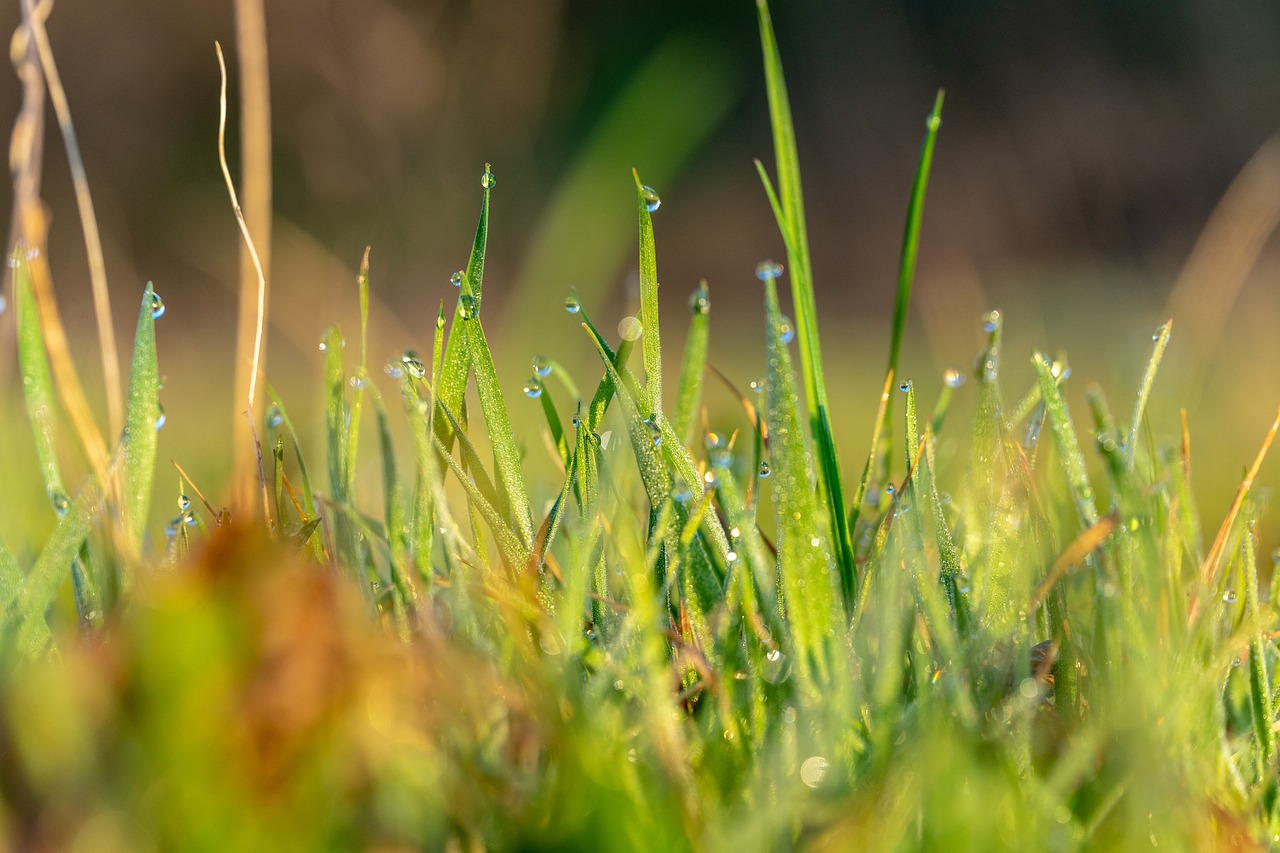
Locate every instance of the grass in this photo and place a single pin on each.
(699, 645)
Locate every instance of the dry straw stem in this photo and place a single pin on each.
(31, 224)
(33, 23)
(1209, 569)
(247, 368)
(255, 181)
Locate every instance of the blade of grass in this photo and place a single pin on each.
(795, 234)
(650, 341)
(140, 423)
(1161, 339)
(692, 367)
(907, 259)
(37, 381)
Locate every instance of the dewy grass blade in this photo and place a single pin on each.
(650, 340)
(514, 500)
(910, 250)
(792, 224)
(1161, 340)
(359, 379)
(1064, 435)
(141, 422)
(456, 364)
(37, 381)
(1259, 690)
(693, 367)
(804, 547)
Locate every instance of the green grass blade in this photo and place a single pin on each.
(1064, 435)
(1161, 340)
(456, 363)
(792, 224)
(514, 551)
(805, 556)
(37, 381)
(140, 423)
(907, 261)
(692, 367)
(1259, 690)
(359, 379)
(512, 497)
(650, 341)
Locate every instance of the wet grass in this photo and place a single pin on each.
(701, 644)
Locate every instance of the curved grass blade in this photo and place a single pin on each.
(792, 224)
(456, 363)
(1161, 340)
(140, 423)
(1064, 435)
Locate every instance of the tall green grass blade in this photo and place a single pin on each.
(554, 424)
(985, 453)
(907, 259)
(692, 367)
(512, 497)
(1064, 435)
(141, 415)
(791, 204)
(805, 557)
(1259, 688)
(515, 552)
(456, 363)
(37, 381)
(1161, 340)
(650, 340)
(359, 379)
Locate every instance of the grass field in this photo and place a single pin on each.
(1002, 623)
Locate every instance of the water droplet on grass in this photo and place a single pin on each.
(571, 304)
(456, 279)
(413, 364)
(953, 378)
(905, 386)
(393, 370)
(765, 470)
(768, 270)
(700, 301)
(274, 416)
(469, 306)
(533, 388)
(157, 306)
(160, 416)
(651, 200)
(1229, 596)
(786, 332)
(655, 431)
(61, 503)
(359, 383)
(488, 180)
(991, 321)
(542, 366)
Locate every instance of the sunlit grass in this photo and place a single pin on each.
(1012, 633)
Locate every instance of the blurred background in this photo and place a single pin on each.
(1084, 147)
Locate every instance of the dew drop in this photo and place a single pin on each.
(571, 304)
(324, 347)
(184, 503)
(488, 180)
(768, 270)
(731, 556)
(413, 364)
(1229, 596)
(765, 470)
(577, 420)
(700, 301)
(189, 518)
(655, 431)
(61, 503)
(274, 416)
(533, 388)
(393, 370)
(456, 279)
(905, 386)
(359, 383)
(469, 306)
(953, 378)
(440, 318)
(991, 321)
(651, 200)
(160, 416)
(157, 306)
(630, 328)
(542, 366)
(786, 332)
